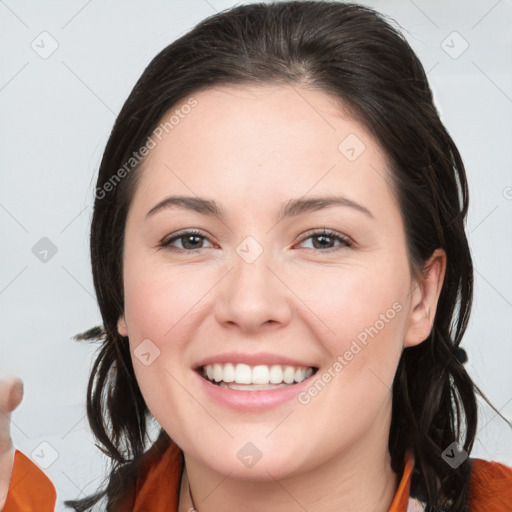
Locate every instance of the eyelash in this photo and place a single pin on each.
(166, 243)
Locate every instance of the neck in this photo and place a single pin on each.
(358, 480)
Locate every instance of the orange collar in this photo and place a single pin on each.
(401, 500)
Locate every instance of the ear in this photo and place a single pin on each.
(424, 298)
(122, 328)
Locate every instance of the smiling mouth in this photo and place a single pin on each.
(243, 377)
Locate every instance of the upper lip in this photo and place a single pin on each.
(261, 358)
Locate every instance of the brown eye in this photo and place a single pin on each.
(323, 240)
(190, 241)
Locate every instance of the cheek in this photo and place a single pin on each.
(363, 315)
(160, 301)
(163, 309)
(355, 303)
(159, 310)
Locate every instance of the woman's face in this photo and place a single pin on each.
(260, 279)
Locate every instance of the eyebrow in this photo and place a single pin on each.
(292, 208)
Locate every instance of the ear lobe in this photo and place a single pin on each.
(424, 299)
(122, 328)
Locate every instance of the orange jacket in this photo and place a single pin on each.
(30, 490)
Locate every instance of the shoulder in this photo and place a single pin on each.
(29, 488)
(158, 474)
(491, 486)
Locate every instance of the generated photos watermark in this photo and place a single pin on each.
(138, 156)
(356, 346)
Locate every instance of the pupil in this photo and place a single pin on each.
(318, 237)
(188, 239)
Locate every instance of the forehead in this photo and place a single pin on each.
(262, 122)
(263, 143)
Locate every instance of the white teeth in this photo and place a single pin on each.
(259, 377)
(243, 374)
(251, 387)
(217, 372)
(300, 375)
(276, 374)
(289, 374)
(229, 373)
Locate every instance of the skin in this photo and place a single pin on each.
(252, 149)
(11, 395)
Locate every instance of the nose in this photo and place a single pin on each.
(254, 296)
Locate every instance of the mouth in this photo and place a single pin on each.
(244, 377)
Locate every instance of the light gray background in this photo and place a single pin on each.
(56, 114)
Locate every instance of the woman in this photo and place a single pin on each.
(280, 260)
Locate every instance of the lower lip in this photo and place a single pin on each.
(253, 401)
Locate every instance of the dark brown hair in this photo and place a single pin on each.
(355, 54)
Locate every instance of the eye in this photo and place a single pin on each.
(190, 240)
(322, 239)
